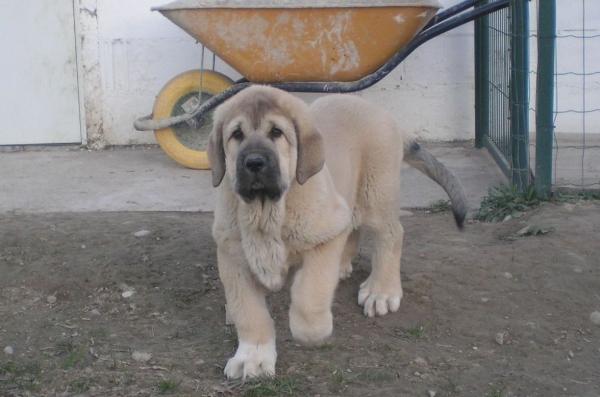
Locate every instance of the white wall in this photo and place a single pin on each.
(431, 93)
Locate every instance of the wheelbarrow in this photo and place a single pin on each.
(323, 46)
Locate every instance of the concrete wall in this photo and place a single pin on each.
(129, 53)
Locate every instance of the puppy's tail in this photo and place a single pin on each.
(424, 161)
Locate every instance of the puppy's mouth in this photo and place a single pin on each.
(258, 190)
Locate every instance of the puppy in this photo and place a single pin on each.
(297, 186)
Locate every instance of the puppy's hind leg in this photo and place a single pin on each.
(382, 291)
(350, 252)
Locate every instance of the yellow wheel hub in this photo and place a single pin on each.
(184, 144)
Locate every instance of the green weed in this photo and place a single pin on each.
(438, 207)
(80, 384)
(503, 201)
(20, 375)
(270, 386)
(166, 386)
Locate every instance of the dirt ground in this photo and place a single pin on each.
(89, 308)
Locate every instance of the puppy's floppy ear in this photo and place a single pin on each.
(311, 153)
(216, 151)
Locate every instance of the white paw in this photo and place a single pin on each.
(378, 301)
(252, 360)
(345, 270)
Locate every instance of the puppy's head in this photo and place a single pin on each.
(263, 140)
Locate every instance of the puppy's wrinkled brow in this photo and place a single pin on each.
(257, 108)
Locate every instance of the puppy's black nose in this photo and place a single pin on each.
(254, 162)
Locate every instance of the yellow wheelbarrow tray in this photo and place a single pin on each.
(309, 46)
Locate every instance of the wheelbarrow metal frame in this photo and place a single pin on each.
(441, 23)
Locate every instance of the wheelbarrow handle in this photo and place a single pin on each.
(452, 11)
(146, 123)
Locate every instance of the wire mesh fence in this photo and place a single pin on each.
(564, 147)
(576, 152)
(502, 88)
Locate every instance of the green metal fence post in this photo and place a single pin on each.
(519, 93)
(482, 70)
(544, 122)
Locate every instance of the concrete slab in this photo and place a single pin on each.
(145, 179)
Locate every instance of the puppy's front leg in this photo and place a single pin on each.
(313, 291)
(247, 308)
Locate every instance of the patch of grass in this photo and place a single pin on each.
(503, 201)
(452, 387)
(74, 354)
(270, 386)
(20, 375)
(495, 392)
(65, 346)
(375, 376)
(80, 384)
(327, 346)
(74, 358)
(338, 382)
(98, 333)
(438, 207)
(166, 386)
(416, 332)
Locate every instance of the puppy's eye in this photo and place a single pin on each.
(238, 135)
(276, 133)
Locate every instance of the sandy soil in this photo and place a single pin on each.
(89, 308)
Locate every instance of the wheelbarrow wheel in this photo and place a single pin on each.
(184, 143)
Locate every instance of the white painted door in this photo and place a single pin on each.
(39, 101)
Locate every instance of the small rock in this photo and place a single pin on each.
(141, 357)
(507, 218)
(484, 300)
(141, 233)
(595, 317)
(507, 275)
(199, 362)
(417, 374)
(420, 361)
(9, 350)
(51, 299)
(577, 269)
(500, 337)
(95, 312)
(571, 354)
(357, 337)
(431, 393)
(127, 294)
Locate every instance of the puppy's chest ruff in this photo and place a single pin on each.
(263, 245)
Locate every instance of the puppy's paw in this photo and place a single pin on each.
(310, 329)
(345, 270)
(252, 360)
(377, 300)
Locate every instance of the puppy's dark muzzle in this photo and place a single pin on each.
(258, 174)
(255, 163)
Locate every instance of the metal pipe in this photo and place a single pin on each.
(544, 122)
(482, 84)
(519, 93)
